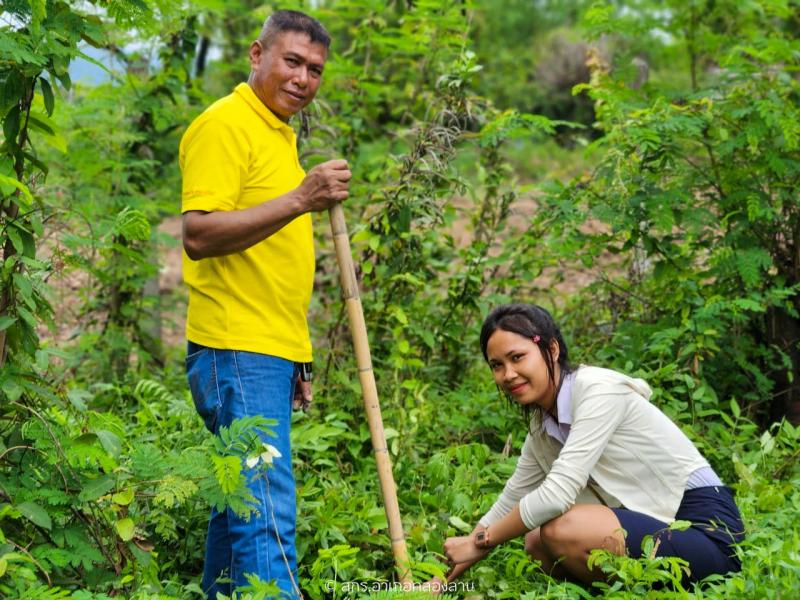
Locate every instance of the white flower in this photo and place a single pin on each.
(270, 452)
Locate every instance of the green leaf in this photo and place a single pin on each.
(403, 219)
(360, 235)
(11, 125)
(35, 514)
(6, 322)
(132, 224)
(38, 14)
(23, 286)
(751, 262)
(22, 238)
(47, 94)
(65, 80)
(96, 488)
(7, 169)
(78, 398)
(110, 441)
(123, 498)
(24, 200)
(90, 59)
(16, 239)
(86, 439)
(460, 524)
(15, 49)
(400, 315)
(735, 408)
(36, 162)
(767, 442)
(125, 528)
(12, 91)
(174, 491)
(228, 470)
(680, 525)
(11, 389)
(40, 123)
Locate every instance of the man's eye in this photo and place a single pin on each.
(291, 61)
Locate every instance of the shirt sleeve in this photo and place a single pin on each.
(527, 475)
(597, 416)
(214, 159)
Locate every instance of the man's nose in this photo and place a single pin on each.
(301, 77)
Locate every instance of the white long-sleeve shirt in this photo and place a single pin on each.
(620, 450)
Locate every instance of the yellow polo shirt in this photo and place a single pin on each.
(235, 155)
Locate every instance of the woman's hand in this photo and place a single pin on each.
(463, 549)
(461, 553)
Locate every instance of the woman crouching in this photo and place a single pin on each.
(601, 467)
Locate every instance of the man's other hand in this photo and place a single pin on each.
(302, 395)
(325, 185)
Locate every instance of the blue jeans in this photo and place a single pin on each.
(226, 385)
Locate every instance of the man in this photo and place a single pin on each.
(249, 265)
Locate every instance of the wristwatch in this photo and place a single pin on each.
(305, 371)
(482, 539)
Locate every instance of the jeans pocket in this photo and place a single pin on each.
(202, 375)
(193, 351)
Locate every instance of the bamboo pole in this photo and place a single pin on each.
(369, 391)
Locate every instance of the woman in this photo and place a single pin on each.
(599, 460)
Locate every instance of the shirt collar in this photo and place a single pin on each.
(249, 96)
(563, 404)
(564, 400)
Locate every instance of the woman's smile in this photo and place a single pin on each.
(518, 388)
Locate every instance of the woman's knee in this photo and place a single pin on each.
(580, 529)
(533, 544)
(557, 534)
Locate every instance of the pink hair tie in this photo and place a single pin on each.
(536, 339)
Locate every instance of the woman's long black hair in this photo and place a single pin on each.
(529, 321)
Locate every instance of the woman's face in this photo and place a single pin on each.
(519, 369)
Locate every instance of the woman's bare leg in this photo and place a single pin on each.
(577, 532)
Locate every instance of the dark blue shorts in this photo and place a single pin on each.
(706, 545)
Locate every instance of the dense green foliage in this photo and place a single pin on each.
(655, 209)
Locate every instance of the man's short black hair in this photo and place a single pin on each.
(282, 21)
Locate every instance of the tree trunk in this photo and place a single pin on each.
(202, 55)
(783, 330)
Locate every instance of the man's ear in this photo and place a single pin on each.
(255, 54)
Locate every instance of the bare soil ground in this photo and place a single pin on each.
(170, 286)
(69, 287)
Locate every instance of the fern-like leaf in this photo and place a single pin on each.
(243, 436)
(174, 491)
(228, 470)
(148, 390)
(132, 224)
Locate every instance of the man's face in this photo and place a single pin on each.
(286, 75)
